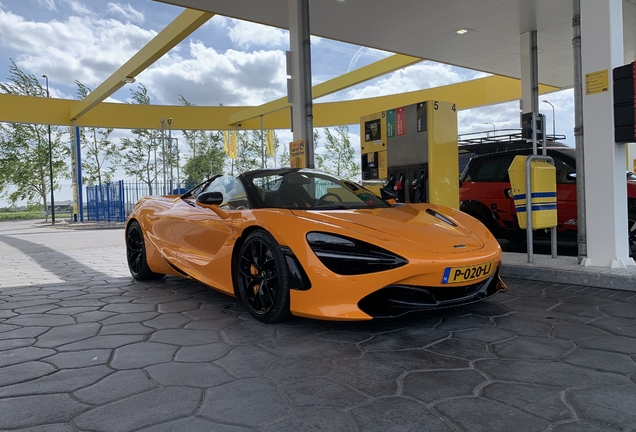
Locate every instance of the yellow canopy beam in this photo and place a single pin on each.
(469, 94)
(175, 32)
(365, 73)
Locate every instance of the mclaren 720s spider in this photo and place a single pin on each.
(305, 243)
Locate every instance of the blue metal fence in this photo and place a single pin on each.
(105, 203)
(113, 202)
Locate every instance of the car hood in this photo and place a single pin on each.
(406, 225)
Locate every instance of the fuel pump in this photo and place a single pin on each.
(413, 150)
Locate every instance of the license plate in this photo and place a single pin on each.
(468, 273)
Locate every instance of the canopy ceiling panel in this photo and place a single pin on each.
(426, 29)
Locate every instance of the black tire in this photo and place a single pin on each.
(136, 254)
(631, 233)
(262, 278)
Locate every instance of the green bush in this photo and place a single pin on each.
(20, 215)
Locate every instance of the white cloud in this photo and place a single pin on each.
(416, 77)
(364, 51)
(49, 4)
(83, 48)
(247, 35)
(208, 77)
(78, 7)
(127, 11)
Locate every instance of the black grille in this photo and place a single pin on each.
(396, 300)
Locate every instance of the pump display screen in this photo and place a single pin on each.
(372, 131)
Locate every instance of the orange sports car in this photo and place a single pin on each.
(302, 242)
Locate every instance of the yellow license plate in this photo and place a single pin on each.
(468, 273)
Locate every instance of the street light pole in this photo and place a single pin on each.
(553, 120)
(494, 130)
(50, 159)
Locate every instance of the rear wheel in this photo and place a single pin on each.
(136, 254)
(631, 226)
(262, 279)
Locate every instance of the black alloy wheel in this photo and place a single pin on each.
(136, 254)
(262, 279)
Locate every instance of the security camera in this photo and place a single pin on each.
(238, 124)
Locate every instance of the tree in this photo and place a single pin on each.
(283, 158)
(338, 157)
(206, 155)
(272, 161)
(249, 150)
(139, 155)
(102, 154)
(24, 148)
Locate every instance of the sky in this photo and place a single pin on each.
(225, 61)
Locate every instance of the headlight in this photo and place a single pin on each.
(347, 256)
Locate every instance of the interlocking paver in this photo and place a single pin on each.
(41, 409)
(65, 334)
(63, 381)
(117, 386)
(250, 402)
(23, 372)
(202, 353)
(602, 360)
(142, 410)
(313, 419)
(193, 424)
(80, 359)
(525, 347)
(482, 415)
(366, 376)
(542, 401)
(142, 354)
(247, 361)
(25, 354)
(609, 405)
(399, 414)
(85, 347)
(201, 375)
(418, 359)
(438, 385)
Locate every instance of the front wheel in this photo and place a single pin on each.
(631, 231)
(262, 279)
(136, 254)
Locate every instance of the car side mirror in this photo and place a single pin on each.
(212, 200)
(571, 176)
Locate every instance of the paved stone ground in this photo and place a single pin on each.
(84, 347)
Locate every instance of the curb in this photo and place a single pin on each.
(566, 270)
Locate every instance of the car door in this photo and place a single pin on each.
(200, 233)
(489, 184)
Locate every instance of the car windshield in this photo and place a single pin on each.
(310, 190)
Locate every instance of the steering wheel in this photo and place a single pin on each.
(320, 200)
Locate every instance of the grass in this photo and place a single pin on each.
(4, 216)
